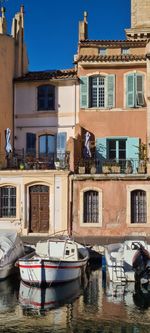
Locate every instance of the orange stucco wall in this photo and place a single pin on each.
(114, 208)
(6, 86)
(119, 121)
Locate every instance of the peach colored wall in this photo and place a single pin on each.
(114, 208)
(118, 121)
(6, 86)
(119, 73)
(115, 123)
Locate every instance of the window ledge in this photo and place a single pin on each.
(114, 109)
(139, 225)
(89, 225)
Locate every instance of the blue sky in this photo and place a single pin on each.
(51, 27)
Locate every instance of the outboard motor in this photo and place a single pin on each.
(141, 265)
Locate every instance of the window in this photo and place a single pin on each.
(138, 206)
(46, 145)
(135, 90)
(97, 91)
(7, 201)
(102, 50)
(125, 50)
(120, 149)
(91, 207)
(46, 98)
(117, 149)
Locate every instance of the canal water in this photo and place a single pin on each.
(90, 305)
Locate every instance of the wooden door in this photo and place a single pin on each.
(39, 209)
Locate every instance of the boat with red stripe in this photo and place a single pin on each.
(56, 260)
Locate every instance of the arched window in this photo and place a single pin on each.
(47, 145)
(91, 207)
(46, 97)
(138, 206)
(7, 201)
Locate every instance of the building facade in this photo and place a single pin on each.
(114, 110)
(43, 113)
(80, 138)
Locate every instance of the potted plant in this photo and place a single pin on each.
(142, 158)
(81, 167)
(115, 167)
(21, 166)
(129, 168)
(57, 163)
(106, 167)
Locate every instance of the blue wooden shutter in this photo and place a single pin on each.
(61, 145)
(139, 90)
(31, 143)
(110, 91)
(130, 91)
(132, 151)
(84, 92)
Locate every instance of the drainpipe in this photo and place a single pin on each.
(70, 191)
(148, 105)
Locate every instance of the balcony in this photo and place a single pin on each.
(95, 166)
(18, 160)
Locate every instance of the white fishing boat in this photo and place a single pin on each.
(119, 260)
(11, 248)
(44, 299)
(56, 260)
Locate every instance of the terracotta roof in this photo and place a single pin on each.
(49, 74)
(109, 43)
(112, 58)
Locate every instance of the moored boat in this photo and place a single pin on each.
(11, 248)
(56, 260)
(119, 260)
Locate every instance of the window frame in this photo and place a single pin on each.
(8, 197)
(46, 96)
(129, 189)
(110, 91)
(139, 196)
(102, 51)
(125, 50)
(93, 224)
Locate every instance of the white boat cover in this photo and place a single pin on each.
(8, 243)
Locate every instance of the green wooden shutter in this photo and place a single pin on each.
(139, 90)
(84, 91)
(110, 79)
(132, 151)
(130, 86)
(61, 145)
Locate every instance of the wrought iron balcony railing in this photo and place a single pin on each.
(120, 166)
(19, 160)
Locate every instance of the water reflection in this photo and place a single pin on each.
(8, 294)
(89, 306)
(38, 300)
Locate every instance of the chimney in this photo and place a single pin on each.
(3, 24)
(83, 28)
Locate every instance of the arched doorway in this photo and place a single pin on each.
(39, 209)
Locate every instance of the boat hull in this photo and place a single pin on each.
(119, 260)
(50, 272)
